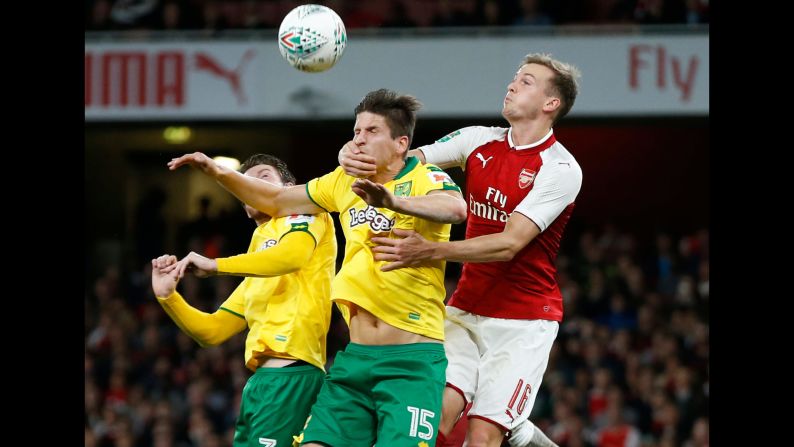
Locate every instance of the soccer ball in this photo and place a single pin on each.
(312, 38)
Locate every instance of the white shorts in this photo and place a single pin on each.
(497, 364)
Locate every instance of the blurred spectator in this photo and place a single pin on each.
(211, 18)
(487, 13)
(532, 14)
(617, 11)
(200, 227)
(697, 11)
(252, 17)
(666, 265)
(619, 316)
(135, 14)
(597, 396)
(449, 15)
(398, 16)
(632, 361)
(150, 227)
(181, 14)
(99, 19)
(700, 434)
(617, 433)
(171, 18)
(568, 11)
(357, 14)
(216, 15)
(660, 11)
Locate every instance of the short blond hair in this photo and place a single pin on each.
(565, 82)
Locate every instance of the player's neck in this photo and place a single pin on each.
(262, 220)
(525, 133)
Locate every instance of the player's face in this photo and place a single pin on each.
(373, 136)
(267, 173)
(526, 93)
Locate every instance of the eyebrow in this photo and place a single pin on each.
(374, 126)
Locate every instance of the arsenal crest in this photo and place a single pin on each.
(525, 178)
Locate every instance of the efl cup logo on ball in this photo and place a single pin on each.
(312, 38)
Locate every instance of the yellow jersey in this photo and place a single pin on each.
(410, 298)
(288, 315)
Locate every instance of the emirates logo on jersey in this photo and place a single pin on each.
(525, 178)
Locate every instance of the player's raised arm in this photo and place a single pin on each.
(445, 206)
(409, 248)
(272, 199)
(206, 329)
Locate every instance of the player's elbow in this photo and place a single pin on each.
(292, 264)
(265, 205)
(209, 338)
(208, 342)
(458, 212)
(508, 250)
(504, 255)
(292, 267)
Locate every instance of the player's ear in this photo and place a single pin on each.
(403, 143)
(551, 104)
(288, 184)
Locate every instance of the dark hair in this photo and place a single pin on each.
(398, 110)
(267, 159)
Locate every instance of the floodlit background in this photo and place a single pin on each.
(632, 356)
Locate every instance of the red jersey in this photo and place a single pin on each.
(619, 436)
(540, 181)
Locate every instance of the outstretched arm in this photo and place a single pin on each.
(291, 253)
(445, 206)
(201, 266)
(272, 199)
(413, 248)
(206, 329)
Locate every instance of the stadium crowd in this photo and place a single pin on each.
(213, 16)
(630, 365)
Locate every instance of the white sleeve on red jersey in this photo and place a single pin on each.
(556, 186)
(453, 149)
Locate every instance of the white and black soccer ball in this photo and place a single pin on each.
(312, 38)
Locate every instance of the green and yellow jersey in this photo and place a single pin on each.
(410, 298)
(286, 306)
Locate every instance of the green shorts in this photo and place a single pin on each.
(389, 396)
(275, 404)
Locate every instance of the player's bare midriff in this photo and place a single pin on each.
(367, 329)
(275, 362)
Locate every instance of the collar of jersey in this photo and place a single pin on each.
(410, 163)
(543, 143)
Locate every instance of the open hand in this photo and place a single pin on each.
(356, 163)
(197, 160)
(408, 249)
(374, 194)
